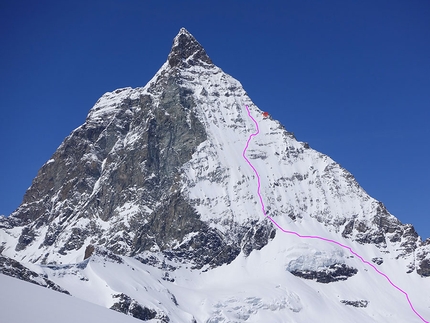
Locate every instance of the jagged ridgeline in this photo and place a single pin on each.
(154, 182)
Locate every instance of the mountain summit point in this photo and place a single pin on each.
(186, 51)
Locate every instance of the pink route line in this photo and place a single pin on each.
(314, 237)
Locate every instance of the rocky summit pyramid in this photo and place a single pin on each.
(151, 209)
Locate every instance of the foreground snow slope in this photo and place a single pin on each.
(22, 302)
(253, 288)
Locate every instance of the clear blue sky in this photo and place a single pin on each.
(352, 78)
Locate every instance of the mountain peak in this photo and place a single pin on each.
(187, 51)
(169, 180)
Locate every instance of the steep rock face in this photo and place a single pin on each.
(102, 165)
(186, 51)
(117, 181)
(128, 306)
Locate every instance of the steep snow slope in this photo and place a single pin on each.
(25, 302)
(253, 288)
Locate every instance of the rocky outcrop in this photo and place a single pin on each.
(257, 236)
(424, 268)
(378, 260)
(360, 303)
(15, 269)
(382, 230)
(125, 304)
(333, 273)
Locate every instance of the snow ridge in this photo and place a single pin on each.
(313, 237)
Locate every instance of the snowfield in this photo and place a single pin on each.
(23, 302)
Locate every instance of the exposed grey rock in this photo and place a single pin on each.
(148, 172)
(26, 237)
(383, 228)
(424, 268)
(105, 254)
(360, 303)
(258, 236)
(15, 269)
(333, 273)
(125, 304)
(89, 250)
(207, 247)
(186, 50)
(378, 260)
